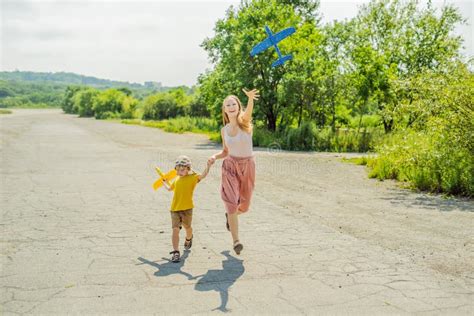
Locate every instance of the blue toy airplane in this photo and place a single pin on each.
(272, 40)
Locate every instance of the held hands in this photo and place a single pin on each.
(206, 171)
(211, 160)
(252, 94)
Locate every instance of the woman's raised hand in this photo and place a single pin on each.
(252, 94)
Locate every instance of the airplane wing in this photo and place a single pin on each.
(283, 34)
(171, 174)
(260, 47)
(157, 184)
(168, 176)
(282, 60)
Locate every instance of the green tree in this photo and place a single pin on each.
(167, 105)
(83, 102)
(108, 104)
(393, 40)
(68, 99)
(230, 48)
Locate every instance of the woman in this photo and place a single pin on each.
(238, 167)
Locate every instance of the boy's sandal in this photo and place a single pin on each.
(227, 222)
(175, 256)
(188, 243)
(238, 247)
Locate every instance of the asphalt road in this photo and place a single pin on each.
(83, 232)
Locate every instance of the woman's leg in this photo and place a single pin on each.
(230, 195)
(234, 230)
(234, 225)
(246, 186)
(230, 189)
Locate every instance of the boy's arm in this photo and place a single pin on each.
(167, 185)
(205, 172)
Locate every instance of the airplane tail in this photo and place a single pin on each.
(282, 60)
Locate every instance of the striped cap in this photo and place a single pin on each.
(183, 161)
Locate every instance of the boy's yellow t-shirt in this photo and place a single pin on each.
(183, 188)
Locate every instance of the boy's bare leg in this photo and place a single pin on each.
(175, 238)
(189, 232)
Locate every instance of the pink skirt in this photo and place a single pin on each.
(238, 181)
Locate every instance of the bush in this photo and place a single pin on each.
(264, 138)
(161, 106)
(108, 104)
(429, 162)
(129, 107)
(68, 99)
(436, 151)
(83, 102)
(302, 138)
(170, 104)
(308, 137)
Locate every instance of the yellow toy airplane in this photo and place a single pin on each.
(168, 176)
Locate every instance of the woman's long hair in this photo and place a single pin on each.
(243, 124)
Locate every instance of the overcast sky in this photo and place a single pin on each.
(132, 41)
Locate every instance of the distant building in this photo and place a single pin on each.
(153, 85)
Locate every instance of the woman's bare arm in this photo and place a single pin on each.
(252, 95)
(223, 153)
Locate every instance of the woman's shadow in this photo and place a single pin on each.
(213, 280)
(221, 280)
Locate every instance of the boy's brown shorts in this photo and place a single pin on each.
(184, 217)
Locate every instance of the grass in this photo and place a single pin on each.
(2, 111)
(199, 125)
(34, 106)
(306, 138)
(423, 162)
(361, 161)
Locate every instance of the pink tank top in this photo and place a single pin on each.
(239, 145)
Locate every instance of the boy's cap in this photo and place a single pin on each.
(183, 161)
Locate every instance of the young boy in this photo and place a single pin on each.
(182, 204)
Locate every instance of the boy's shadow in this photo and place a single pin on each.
(213, 280)
(221, 280)
(168, 268)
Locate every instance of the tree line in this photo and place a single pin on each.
(390, 80)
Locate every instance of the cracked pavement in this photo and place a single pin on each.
(83, 232)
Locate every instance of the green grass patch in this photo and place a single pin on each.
(307, 137)
(361, 161)
(3, 111)
(432, 163)
(198, 125)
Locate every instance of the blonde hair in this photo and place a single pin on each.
(243, 124)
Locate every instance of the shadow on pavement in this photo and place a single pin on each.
(168, 268)
(221, 280)
(435, 202)
(213, 280)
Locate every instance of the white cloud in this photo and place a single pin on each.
(130, 41)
